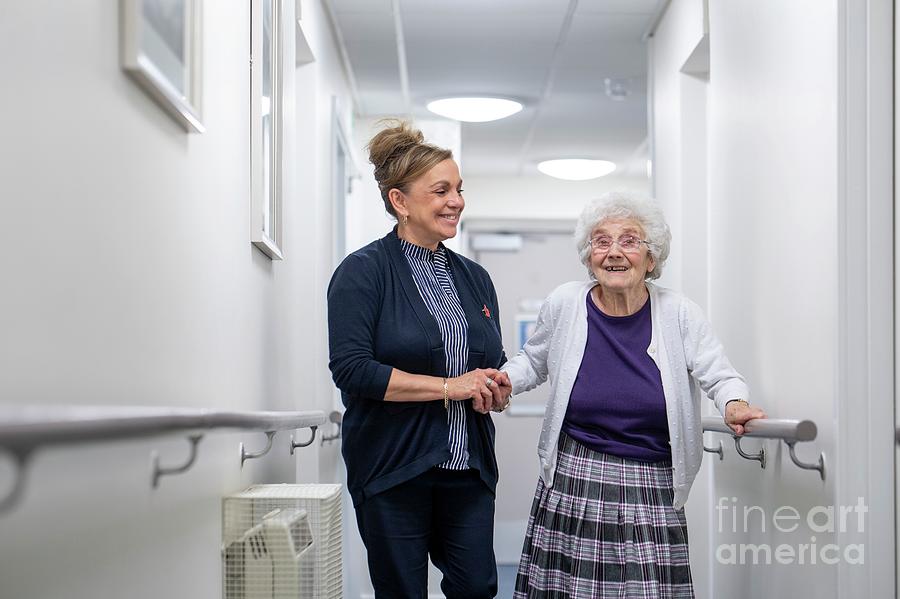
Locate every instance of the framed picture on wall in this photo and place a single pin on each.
(266, 126)
(525, 326)
(161, 44)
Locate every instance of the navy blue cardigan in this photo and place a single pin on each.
(377, 321)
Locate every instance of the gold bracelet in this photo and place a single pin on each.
(446, 396)
(743, 401)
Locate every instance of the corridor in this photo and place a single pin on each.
(182, 178)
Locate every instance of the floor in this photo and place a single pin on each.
(506, 581)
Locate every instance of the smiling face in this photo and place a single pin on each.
(429, 211)
(618, 271)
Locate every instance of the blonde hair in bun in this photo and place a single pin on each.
(401, 156)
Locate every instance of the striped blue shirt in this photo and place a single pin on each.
(433, 278)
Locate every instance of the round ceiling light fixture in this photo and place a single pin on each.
(576, 169)
(474, 110)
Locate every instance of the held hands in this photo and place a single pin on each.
(487, 387)
(737, 413)
(502, 389)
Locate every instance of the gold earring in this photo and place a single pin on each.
(405, 219)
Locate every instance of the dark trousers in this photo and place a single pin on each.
(445, 513)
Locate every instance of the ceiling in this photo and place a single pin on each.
(552, 55)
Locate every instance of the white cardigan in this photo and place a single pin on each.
(683, 346)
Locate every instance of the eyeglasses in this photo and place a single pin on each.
(627, 243)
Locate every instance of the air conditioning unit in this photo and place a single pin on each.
(282, 542)
(266, 562)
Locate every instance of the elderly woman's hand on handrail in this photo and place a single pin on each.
(738, 412)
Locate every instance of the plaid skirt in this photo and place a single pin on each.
(607, 529)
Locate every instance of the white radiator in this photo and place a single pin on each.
(282, 542)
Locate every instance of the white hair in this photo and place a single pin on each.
(621, 205)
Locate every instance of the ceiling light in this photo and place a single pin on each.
(576, 169)
(474, 110)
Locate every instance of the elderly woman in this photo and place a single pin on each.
(414, 336)
(622, 438)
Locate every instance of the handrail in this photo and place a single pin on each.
(33, 426)
(24, 430)
(769, 428)
(525, 410)
(789, 431)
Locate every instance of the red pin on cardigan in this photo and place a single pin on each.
(485, 311)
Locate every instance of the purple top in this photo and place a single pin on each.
(617, 404)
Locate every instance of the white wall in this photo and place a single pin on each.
(322, 90)
(675, 38)
(773, 190)
(865, 435)
(779, 259)
(130, 280)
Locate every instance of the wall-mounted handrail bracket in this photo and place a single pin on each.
(759, 457)
(336, 418)
(312, 438)
(789, 431)
(820, 465)
(160, 471)
(719, 450)
(251, 455)
(20, 457)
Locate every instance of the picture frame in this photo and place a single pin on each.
(266, 144)
(161, 49)
(525, 327)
